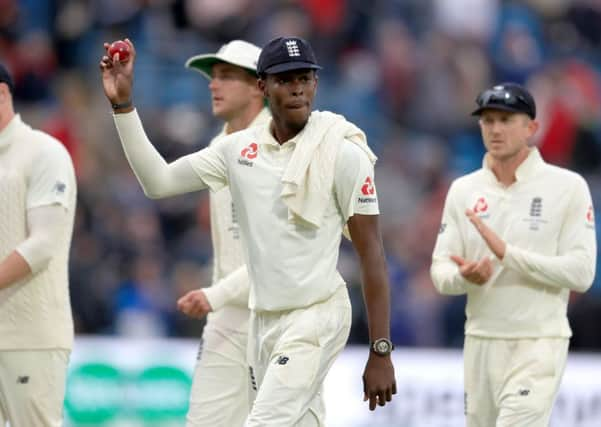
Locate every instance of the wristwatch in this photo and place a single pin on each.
(382, 346)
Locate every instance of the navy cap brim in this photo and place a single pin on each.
(502, 107)
(289, 66)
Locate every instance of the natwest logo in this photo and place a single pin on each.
(368, 190)
(251, 151)
(368, 187)
(590, 215)
(481, 205)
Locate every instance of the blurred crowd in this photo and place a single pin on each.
(406, 71)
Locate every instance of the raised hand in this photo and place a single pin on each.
(494, 242)
(117, 76)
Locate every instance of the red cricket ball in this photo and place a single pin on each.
(121, 48)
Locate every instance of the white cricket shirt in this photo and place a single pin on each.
(228, 254)
(291, 265)
(35, 171)
(546, 219)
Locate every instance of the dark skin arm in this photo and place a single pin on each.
(378, 378)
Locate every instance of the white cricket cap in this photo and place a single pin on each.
(236, 52)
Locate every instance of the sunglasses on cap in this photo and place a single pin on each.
(501, 96)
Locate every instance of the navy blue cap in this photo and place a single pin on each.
(286, 54)
(507, 97)
(5, 77)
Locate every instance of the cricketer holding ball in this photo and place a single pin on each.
(296, 182)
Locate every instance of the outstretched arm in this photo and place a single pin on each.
(378, 379)
(158, 178)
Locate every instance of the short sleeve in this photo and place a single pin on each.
(354, 182)
(52, 178)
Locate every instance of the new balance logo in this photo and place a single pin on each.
(292, 47)
(524, 392)
(23, 380)
(282, 360)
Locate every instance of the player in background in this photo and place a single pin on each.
(517, 236)
(38, 197)
(220, 389)
(296, 182)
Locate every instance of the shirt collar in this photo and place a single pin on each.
(263, 117)
(6, 134)
(529, 165)
(524, 170)
(269, 139)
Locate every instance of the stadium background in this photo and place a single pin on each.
(406, 71)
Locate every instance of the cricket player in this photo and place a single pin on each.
(516, 236)
(37, 193)
(220, 389)
(295, 183)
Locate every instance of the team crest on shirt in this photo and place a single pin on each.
(368, 191)
(248, 153)
(536, 212)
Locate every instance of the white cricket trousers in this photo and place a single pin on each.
(512, 382)
(220, 395)
(32, 387)
(290, 353)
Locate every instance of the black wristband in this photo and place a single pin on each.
(126, 104)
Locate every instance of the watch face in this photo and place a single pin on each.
(382, 346)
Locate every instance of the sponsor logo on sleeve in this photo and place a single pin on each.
(368, 191)
(59, 188)
(590, 217)
(442, 228)
(248, 154)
